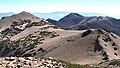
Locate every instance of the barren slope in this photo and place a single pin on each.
(89, 49)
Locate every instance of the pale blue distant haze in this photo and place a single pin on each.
(107, 7)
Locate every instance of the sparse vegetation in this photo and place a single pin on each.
(51, 26)
(41, 49)
(114, 62)
(114, 44)
(100, 31)
(73, 65)
(48, 34)
(105, 45)
(97, 46)
(105, 56)
(115, 54)
(2, 18)
(113, 35)
(40, 23)
(107, 39)
(27, 43)
(115, 48)
(86, 33)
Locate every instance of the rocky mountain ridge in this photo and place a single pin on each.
(39, 38)
(74, 21)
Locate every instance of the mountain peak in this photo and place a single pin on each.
(70, 20)
(7, 21)
(75, 14)
(24, 13)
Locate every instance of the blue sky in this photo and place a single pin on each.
(108, 7)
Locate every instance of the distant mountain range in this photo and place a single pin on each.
(59, 15)
(53, 15)
(75, 21)
(80, 20)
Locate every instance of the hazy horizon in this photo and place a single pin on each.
(106, 7)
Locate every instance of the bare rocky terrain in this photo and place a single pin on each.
(91, 45)
(29, 36)
(29, 62)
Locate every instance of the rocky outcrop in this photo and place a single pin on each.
(30, 62)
